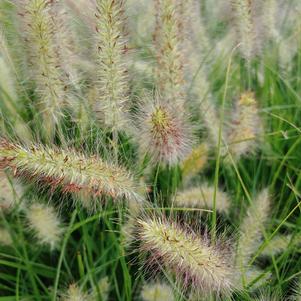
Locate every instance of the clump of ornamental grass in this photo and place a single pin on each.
(5, 237)
(44, 222)
(196, 262)
(157, 292)
(11, 192)
(202, 197)
(246, 127)
(245, 29)
(168, 46)
(74, 293)
(195, 161)
(162, 132)
(112, 83)
(43, 61)
(69, 171)
(251, 229)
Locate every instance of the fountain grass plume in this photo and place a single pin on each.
(168, 41)
(157, 292)
(44, 222)
(251, 229)
(5, 237)
(244, 24)
(194, 260)
(202, 197)
(74, 293)
(162, 132)
(195, 161)
(69, 171)
(246, 127)
(112, 80)
(11, 192)
(44, 63)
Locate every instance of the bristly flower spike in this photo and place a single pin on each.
(157, 292)
(43, 61)
(75, 294)
(246, 127)
(69, 171)
(196, 263)
(252, 227)
(46, 225)
(168, 43)
(202, 198)
(163, 133)
(112, 79)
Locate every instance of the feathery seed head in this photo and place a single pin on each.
(195, 262)
(44, 221)
(104, 287)
(202, 197)
(163, 133)
(168, 43)
(10, 192)
(112, 81)
(157, 292)
(5, 237)
(71, 172)
(246, 126)
(195, 161)
(243, 18)
(252, 227)
(44, 63)
(75, 294)
(278, 244)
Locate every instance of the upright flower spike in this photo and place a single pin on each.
(46, 225)
(168, 43)
(157, 292)
(246, 126)
(112, 80)
(163, 133)
(196, 262)
(69, 171)
(251, 229)
(196, 48)
(202, 198)
(243, 18)
(44, 62)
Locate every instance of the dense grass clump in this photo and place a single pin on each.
(150, 150)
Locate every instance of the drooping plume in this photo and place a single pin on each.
(69, 171)
(112, 80)
(195, 261)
